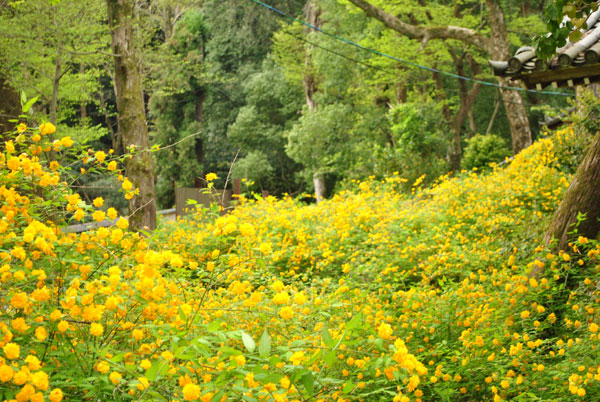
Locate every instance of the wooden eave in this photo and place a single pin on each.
(577, 63)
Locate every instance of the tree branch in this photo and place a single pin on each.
(465, 35)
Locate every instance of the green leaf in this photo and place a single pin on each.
(23, 98)
(308, 381)
(157, 370)
(214, 326)
(355, 322)
(248, 342)
(29, 104)
(327, 339)
(330, 358)
(264, 344)
(575, 35)
(217, 397)
(348, 387)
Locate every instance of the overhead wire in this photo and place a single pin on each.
(403, 61)
(387, 70)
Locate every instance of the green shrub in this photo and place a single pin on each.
(482, 150)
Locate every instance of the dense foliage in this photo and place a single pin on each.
(227, 78)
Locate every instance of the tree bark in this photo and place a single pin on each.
(132, 116)
(319, 183)
(311, 14)
(497, 47)
(467, 99)
(83, 104)
(421, 33)
(582, 197)
(310, 87)
(55, 82)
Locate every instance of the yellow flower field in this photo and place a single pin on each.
(375, 295)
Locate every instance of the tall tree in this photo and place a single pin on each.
(496, 46)
(131, 112)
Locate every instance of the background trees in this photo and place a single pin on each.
(303, 109)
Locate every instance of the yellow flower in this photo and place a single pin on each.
(297, 358)
(286, 313)
(281, 298)
(122, 223)
(40, 333)
(385, 330)
(33, 363)
(6, 373)
(47, 128)
(19, 300)
(100, 156)
(98, 202)
(143, 383)
(21, 127)
(79, 214)
(102, 367)
(111, 213)
(167, 355)
(96, 329)
(126, 185)
(145, 364)
(40, 380)
(211, 177)
(66, 141)
(11, 351)
(63, 326)
(99, 216)
(56, 395)
(191, 392)
(13, 163)
(115, 377)
(299, 298)
(112, 165)
(593, 327)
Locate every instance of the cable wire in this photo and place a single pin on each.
(387, 70)
(407, 62)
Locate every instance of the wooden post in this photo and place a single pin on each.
(237, 183)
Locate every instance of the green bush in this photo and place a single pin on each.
(482, 150)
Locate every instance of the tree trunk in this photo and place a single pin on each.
(311, 14)
(582, 197)
(132, 116)
(83, 104)
(499, 49)
(55, 82)
(310, 87)
(467, 99)
(472, 124)
(319, 183)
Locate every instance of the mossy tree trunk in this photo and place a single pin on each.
(582, 197)
(131, 113)
(312, 14)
